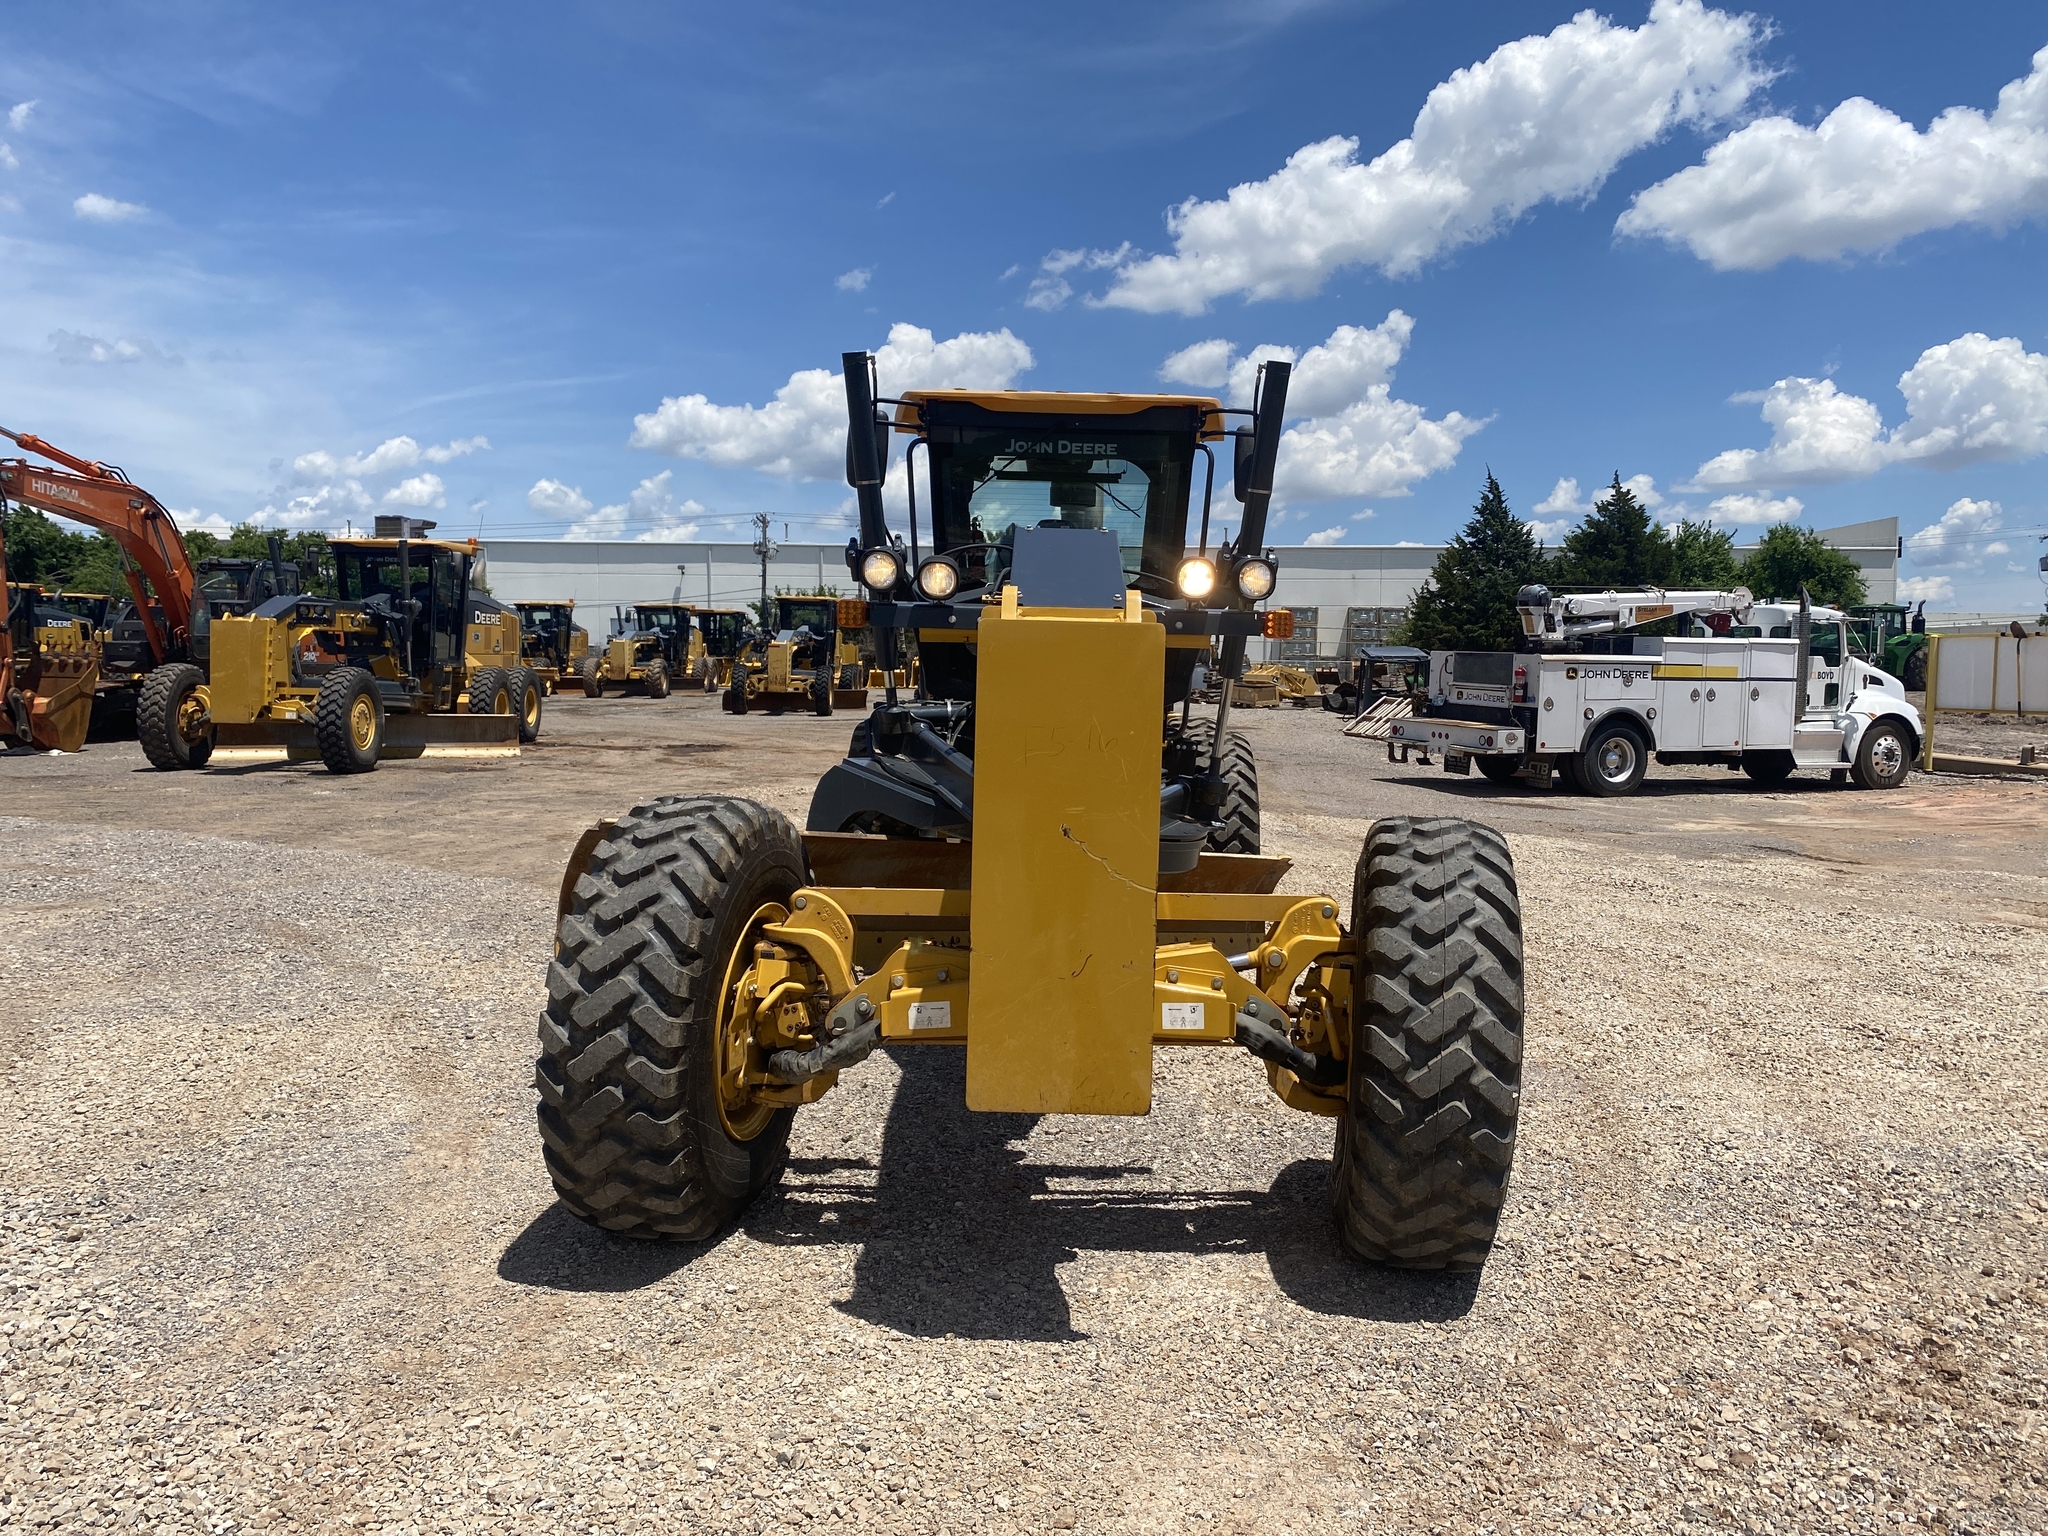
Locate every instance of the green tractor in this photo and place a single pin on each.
(1894, 637)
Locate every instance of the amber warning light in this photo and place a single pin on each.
(853, 613)
(1277, 623)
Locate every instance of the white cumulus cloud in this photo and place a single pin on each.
(1351, 436)
(1563, 497)
(18, 115)
(7, 159)
(855, 281)
(418, 491)
(1050, 289)
(1547, 529)
(1542, 119)
(1926, 589)
(1748, 509)
(651, 503)
(1962, 536)
(1968, 401)
(1859, 180)
(106, 210)
(801, 433)
(1325, 537)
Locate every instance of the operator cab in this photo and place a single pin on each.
(1013, 466)
(427, 579)
(550, 628)
(724, 630)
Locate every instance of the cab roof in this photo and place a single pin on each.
(464, 547)
(1045, 402)
(545, 602)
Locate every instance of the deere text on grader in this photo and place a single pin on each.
(1034, 872)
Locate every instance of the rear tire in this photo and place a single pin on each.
(490, 692)
(1500, 768)
(592, 673)
(632, 1127)
(1427, 1139)
(1238, 826)
(1614, 761)
(1768, 768)
(526, 701)
(852, 677)
(736, 699)
(348, 721)
(160, 718)
(654, 678)
(1883, 756)
(1915, 669)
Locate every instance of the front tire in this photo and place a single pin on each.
(490, 692)
(1614, 761)
(592, 673)
(348, 721)
(821, 692)
(169, 721)
(1883, 756)
(736, 698)
(1237, 829)
(635, 1130)
(526, 701)
(1427, 1139)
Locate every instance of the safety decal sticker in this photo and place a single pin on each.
(1184, 1016)
(931, 1016)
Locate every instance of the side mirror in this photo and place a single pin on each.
(1241, 462)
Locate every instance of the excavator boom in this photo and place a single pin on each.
(101, 497)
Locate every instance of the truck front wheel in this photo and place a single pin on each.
(1767, 767)
(1614, 761)
(1883, 756)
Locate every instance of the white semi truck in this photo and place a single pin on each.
(1596, 703)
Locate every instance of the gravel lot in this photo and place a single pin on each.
(277, 1252)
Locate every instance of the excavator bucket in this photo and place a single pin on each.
(62, 707)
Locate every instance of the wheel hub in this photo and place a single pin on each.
(1887, 753)
(1617, 760)
(194, 711)
(740, 1103)
(362, 723)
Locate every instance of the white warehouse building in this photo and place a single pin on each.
(1342, 594)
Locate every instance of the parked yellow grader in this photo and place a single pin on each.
(49, 664)
(551, 641)
(648, 650)
(500, 680)
(717, 635)
(810, 660)
(378, 672)
(1029, 871)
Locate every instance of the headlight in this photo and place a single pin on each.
(938, 578)
(879, 569)
(1196, 578)
(1255, 580)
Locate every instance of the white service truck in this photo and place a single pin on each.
(1597, 704)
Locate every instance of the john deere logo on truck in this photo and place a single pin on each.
(1629, 676)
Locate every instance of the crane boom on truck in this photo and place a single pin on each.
(1553, 621)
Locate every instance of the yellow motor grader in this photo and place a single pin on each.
(810, 660)
(551, 641)
(380, 671)
(648, 649)
(500, 680)
(717, 636)
(1056, 880)
(49, 664)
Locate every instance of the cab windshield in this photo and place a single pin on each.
(818, 617)
(991, 482)
(663, 621)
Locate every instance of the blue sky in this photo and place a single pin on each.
(305, 262)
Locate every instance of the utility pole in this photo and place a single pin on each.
(765, 548)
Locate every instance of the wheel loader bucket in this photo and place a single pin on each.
(1065, 861)
(61, 711)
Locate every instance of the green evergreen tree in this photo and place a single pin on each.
(1616, 548)
(1468, 602)
(1703, 557)
(1787, 556)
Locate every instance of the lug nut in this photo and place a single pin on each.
(802, 902)
(1328, 910)
(864, 1006)
(1275, 959)
(1216, 983)
(1172, 978)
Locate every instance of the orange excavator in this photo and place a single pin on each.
(45, 687)
(102, 497)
